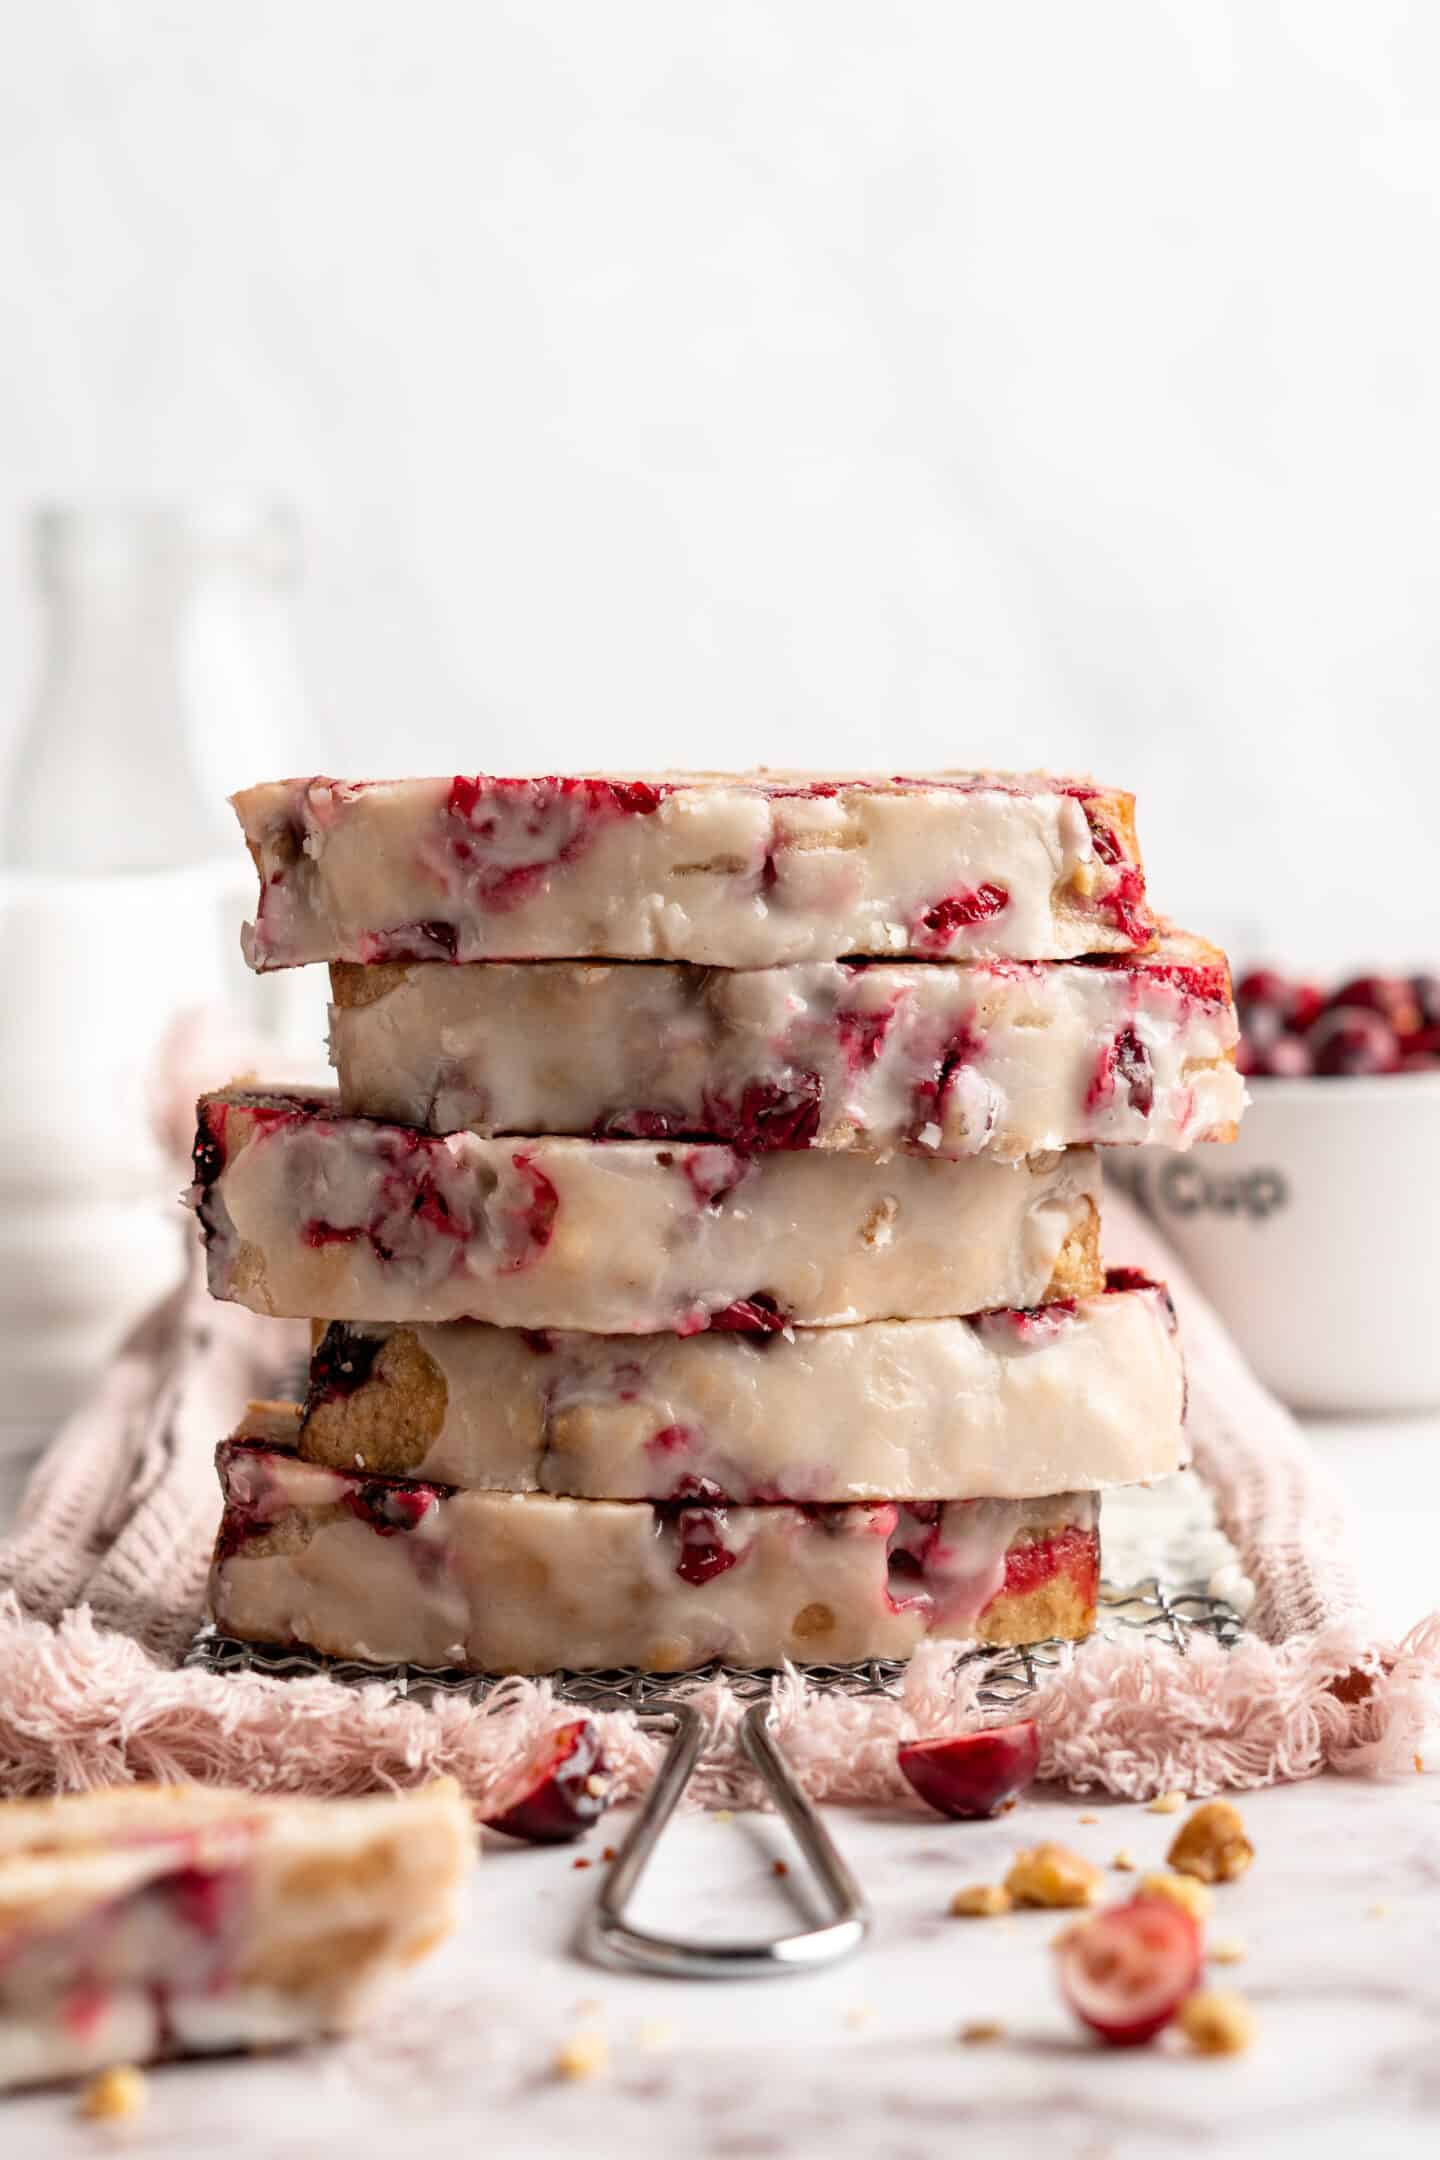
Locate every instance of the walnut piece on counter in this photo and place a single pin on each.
(1212, 1845)
(1053, 1875)
(980, 1901)
(586, 2054)
(1216, 2021)
(116, 2095)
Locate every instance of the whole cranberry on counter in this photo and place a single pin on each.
(1350, 1040)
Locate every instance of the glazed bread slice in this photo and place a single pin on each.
(1004, 1058)
(394, 1570)
(1009, 1405)
(728, 869)
(306, 1211)
(162, 1920)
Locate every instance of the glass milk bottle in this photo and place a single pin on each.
(168, 676)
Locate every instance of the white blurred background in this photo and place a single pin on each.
(668, 383)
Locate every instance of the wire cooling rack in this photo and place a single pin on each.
(664, 1702)
(1169, 1614)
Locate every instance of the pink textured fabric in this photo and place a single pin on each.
(101, 1589)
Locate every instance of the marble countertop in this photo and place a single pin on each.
(1340, 1913)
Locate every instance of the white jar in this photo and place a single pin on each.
(168, 678)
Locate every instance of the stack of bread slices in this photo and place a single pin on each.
(706, 1227)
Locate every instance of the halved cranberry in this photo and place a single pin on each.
(1351, 1040)
(559, 1791)
(391, 1506)
(861, 1034)
(1425, 989)
(1124, 1063)
(973, 1774)
(704, 1553)
(203, 1898)
(939, 925)
(769, 1116)
(1126, 1972)
(759, 1314)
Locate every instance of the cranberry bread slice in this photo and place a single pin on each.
(167, 1920)
(728, 869)
(1005, 1058)
(396, 1570)
(307, 1211)
(1008, 1405)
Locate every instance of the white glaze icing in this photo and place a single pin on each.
(1008, 1058)
(1011, 1405)
(309, 1212)
(732, 870)
(510, 1582)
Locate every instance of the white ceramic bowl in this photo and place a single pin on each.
(1317, 1237)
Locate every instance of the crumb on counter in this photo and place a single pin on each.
(980, 1901)
(1124, 1862)
(1166, 1803)
(654, 2034)
(1053, 1875)
(1227, 1950)
(1089, 1818)
(979, 2031)
(1212, 1846)
(586, 2054)
(1182, 1890)
(1217, 2022)
(116, 2095)
(723, 1814)
(857, 2015)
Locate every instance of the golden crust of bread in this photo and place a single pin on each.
(390, 1422)
(1057, 1609)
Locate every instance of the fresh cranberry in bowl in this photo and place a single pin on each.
(1425, 989)
(1391, 996)
(1283, 1000)
(1372, 1025)
(1313, 1231)
(1350, 1040)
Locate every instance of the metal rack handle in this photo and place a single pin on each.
(609, 1937)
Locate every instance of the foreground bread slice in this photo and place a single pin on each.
(1001, 1057)
(398, 1570)
(1007, 1405)
(168, 1920)
(730, 869)
(306, 1211)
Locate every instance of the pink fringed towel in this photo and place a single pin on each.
(102, 1583)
